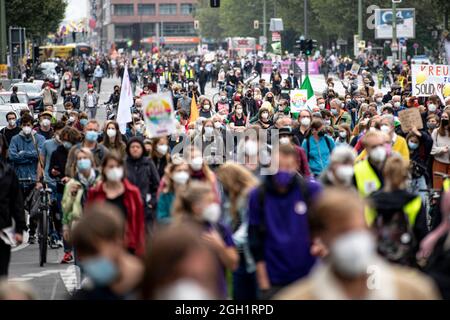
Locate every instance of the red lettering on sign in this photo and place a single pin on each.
(430, 71)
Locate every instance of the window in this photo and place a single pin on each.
(168, 9)
(146, 9)
(123, 10)
(178, 29)
(148, 30)
(123, 32)
(187, 9)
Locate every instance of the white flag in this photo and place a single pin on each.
(125, 103)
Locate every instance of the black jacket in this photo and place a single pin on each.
(14, 98)
(438, 267)
(143, 174)
(11, 199)
(58, 162)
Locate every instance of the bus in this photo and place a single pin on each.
(64, 51)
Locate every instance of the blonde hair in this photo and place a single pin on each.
(88, 153)
(238, 181)
(185, 200)
(396, 172)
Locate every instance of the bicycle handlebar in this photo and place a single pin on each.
(442, 174)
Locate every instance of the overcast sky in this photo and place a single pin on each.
(76, 9)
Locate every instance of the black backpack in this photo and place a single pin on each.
(395, 238)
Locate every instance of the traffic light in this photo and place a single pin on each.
(196, 24)
(255, 24)
(215, 3)
(310, 46)
(300, 45)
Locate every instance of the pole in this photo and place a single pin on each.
(2, 32)
(157, 35)
(360, 18)
(265, 24)
(305, 12)
(394, 31)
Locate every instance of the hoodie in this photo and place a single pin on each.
(23, 154)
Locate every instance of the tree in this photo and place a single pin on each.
(37, 16)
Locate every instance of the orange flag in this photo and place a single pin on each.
(194, 110)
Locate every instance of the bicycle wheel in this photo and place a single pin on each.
(215, 98)
(43, 237)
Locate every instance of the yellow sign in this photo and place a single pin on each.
(3, 71)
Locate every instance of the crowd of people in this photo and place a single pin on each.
(247, 199)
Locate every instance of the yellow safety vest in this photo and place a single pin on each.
(367, 180)
(189, 74)
(411, 209)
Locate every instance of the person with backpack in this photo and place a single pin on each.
(397, 216)
(278, 231)
(318, 147)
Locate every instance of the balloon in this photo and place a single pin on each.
(421, 77)
(446, 90)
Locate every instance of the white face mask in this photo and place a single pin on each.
(386, 129)
(345, 174)
(264, 116)
(322, 106)
(180, 177)
(432, 107)
(71, 119)
(184, 289)
(162, 148)
(12, 123)
(343, 134)
(114, 174)
(284, 140)
(211, 213)
(111, 133)
(352, 253)
(209, 131)
(327, 122)
(197, 164)
(397, 105)
(379, 100)
(378, 154)
(305, 122)
(46, 123)
(27, 130)
(217, 125)
(206, 106)
(251, 148)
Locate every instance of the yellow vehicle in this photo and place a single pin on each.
(64, 51)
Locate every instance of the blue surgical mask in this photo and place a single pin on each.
(91, 136)
(100, 270)
(67, 145)
(412, 145)
(83, 122)
(84, 164)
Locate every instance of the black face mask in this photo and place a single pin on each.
(270, 99)
(444, 122)
(321, 133)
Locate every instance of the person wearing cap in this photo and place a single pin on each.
(45, 125)
(90, 101)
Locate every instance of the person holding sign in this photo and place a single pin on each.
(440, 150)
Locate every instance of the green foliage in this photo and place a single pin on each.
(39, 17)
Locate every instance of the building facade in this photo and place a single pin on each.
(139, 24)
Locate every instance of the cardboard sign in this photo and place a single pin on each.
(430, 80)
(410, 118)
(355, 68)
(298, 100)
(159, 115)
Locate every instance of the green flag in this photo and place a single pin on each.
(306, 85)
(276, 46)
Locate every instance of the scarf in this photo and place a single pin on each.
(87, 182)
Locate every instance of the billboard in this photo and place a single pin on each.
(406, 23)
(430, 80)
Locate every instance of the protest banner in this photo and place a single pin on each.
(430, 80)
(159, 114)
(410, 118)
(298, 100)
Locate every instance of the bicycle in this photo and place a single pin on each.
(44, 219)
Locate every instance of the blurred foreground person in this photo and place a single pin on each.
(340, 173)
(16, 291)
(113, 273)
(352, 269)
(180, 266)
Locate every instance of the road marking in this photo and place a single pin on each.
(52, 297)
(22, 246)
(70, 278)
(20, 279)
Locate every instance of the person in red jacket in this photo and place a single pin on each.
(286, 134)
(115, 189)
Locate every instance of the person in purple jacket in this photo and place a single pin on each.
(278, 232)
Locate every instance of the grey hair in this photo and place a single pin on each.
(390, 117)
(336, 102)
(342, 154)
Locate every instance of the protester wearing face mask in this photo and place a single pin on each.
(249, 104)
(90, 101)
(136, 128)
(176, 178)
(91, 134)
(318, 147)
(304, 119)
(270, 99)
(343, 135)
(397, 143)
(11, 129)
(114, 188)
(142, 172)
(98, 237)
(85, 176)
(74, 99)
(83, 121)
(264, 121)
(393, 211)
(440, 150)
(344, 273)
(45, 125)
(280, 207)
(180, 266)
(339, 115)
(222, 106)
(206, 109)
(160, 154)
(237, 120)
(340, 173)
(368, 172)
(184, 102)
(112, 138)
(196, 204)
(432, 122)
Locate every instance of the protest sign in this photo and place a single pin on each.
(298, 100)
(430, 80)
(159, 115)
(355, 68)
(410, 118)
